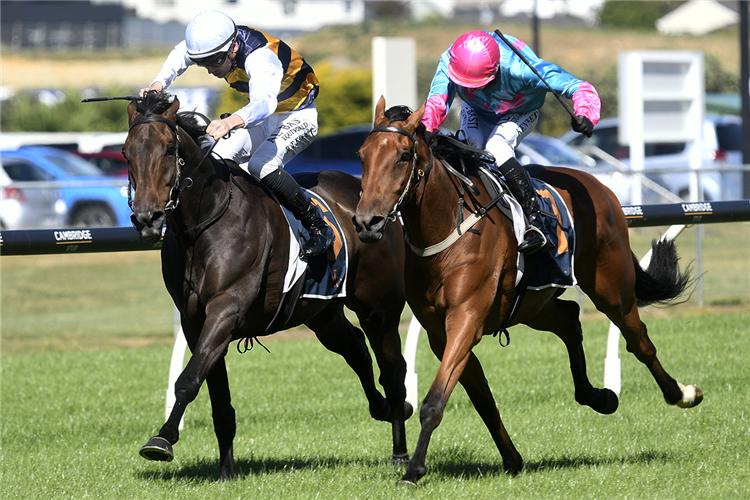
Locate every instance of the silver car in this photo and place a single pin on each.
(27, 201)
(668, 164)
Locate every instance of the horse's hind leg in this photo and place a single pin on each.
(618, 303)
(561, 317)
(338, 335)
(382, 333)
(639, 344)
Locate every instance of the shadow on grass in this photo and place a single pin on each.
(204, 469)
(476, 469)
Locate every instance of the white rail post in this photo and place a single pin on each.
(410, 355)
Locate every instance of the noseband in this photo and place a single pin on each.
(391, 217)
(177, 189)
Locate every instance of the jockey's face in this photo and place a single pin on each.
(225, 67)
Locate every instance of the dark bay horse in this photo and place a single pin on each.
(224, 259)
(464, 292)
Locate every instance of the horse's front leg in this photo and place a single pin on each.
(206, 362)
(225, 424)
(453, 349)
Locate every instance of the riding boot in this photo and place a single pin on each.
(519, 183)
(320, 235)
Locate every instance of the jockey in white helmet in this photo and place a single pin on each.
(280, 118)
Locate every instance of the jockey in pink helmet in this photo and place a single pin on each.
(474, 59)
(501, 99)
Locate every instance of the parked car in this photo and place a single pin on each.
(721, 147)
(90, 197)
(551, 151)
(546, 150)
(112, 163)
(24, 204)
(336, 151)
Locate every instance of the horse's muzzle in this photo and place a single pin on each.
(369, 229)
(148, 224)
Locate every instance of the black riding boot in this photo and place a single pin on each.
(286, 189)
(519, 183)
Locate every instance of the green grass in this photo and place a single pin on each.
(77, 400)
(72, 424)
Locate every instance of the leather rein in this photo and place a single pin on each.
(462, 226)
(179, 186)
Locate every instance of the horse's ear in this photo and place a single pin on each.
(132, 111)
(171, 113)
(413, 122)
(380, 119)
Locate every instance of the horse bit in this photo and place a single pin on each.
(179, 163)
(391, 217)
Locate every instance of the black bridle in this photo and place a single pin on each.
(179, 186)
(391, 217)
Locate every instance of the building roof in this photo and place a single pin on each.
(697, 17)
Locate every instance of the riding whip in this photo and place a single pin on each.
(123, 98)
(523, 58)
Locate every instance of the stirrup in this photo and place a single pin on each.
(534, 241)
(317, 241)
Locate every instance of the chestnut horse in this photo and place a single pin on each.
(224, 259)
(464, 292)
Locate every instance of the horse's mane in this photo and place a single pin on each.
(450, 148)
(156, 103)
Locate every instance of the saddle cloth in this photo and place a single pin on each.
(320, 277)
(325, 274)
(554, 268)
(543, 269)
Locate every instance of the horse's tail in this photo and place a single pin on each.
(663, 281)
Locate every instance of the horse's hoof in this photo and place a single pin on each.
(157, 449)
(692, 396)
(603, 401)
(383, 413)
(611, 403)
(407, 483)
(408, 410)
(400, 459)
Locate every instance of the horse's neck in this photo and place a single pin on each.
(206, 191)
(431, 214)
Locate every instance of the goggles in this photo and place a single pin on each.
(212, 60)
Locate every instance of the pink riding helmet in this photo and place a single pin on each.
(475, 57)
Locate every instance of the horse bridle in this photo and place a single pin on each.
(391, 217)
(178, 187)
(179, 163)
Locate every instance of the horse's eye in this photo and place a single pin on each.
(405, 156)
(171, 149)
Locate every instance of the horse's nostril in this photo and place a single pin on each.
(375, 223)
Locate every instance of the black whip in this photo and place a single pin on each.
(523, 58)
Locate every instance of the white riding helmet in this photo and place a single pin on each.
(209, 34)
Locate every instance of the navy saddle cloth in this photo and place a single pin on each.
(325, 277)
(554, 268)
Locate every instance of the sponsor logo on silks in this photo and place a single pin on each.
(73, 236)
(697, 208)
(633, 211)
